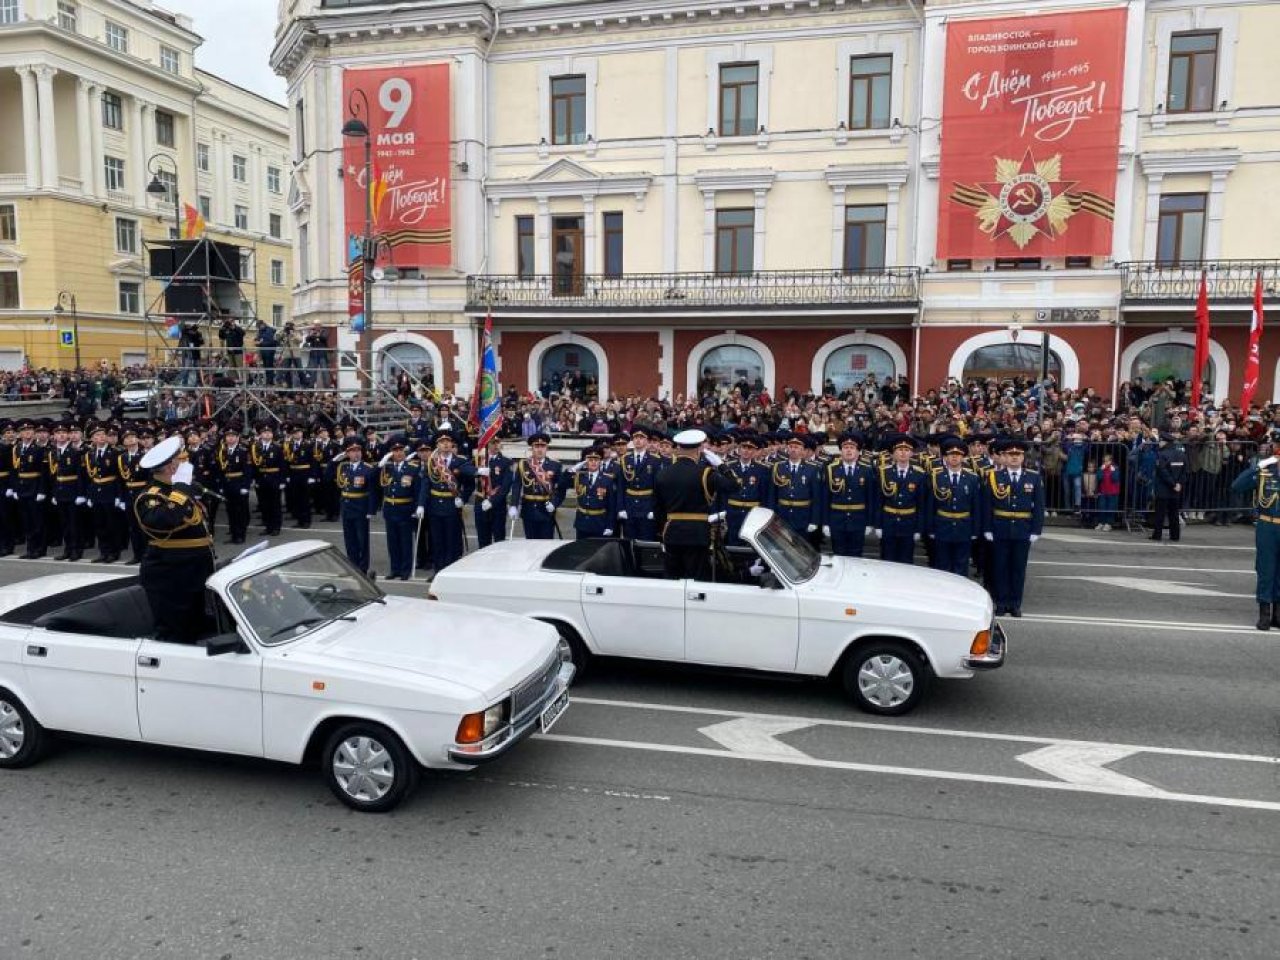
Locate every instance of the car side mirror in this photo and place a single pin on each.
(225, 643)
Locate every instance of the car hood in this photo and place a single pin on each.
(484, 651)
(905, 592)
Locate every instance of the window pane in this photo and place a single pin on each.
(744, 249)
(1193, 42)
(747, 111)
(735, 218)
(727, 366)
(1009, 360)
(875, 246)
(854, 246)
(1204, 65)
(729, 111)
(1175, 202)
(880, 102)
(568, 85)
(1192, 242)
(1178, 78)
(864, 213)
(560, 121)
(1167, 361)
(738, 73)
(852, 366)
(9, 290)
(724, 251)
(1167, 239)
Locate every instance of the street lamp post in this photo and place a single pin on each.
(67, 301)
(356, 128)
(157, 187)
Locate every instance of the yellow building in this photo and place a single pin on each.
(97, 99)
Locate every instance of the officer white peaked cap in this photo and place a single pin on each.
(690, 438)
(162, 453)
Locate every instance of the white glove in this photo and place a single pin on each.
(419, 513)
(578, 466)
(81, 501)
(310, 480)
(512, 513)
(184, 474)
(486, 506)
(551, 508)
(622, 514)
(869, 531)
(989, 536)
(11, 493)
(608, 533)
(878, 532)
(649, 516)
(457, 502)
(712, 457)
(915, 537)
(385, 458)
(1266, 463)
(244, 493)
(120, 505)
(370, 516)
(826, 531)
(482, 471)
(756, 568)
(40, 498)
(1035, 537)
(812, 527)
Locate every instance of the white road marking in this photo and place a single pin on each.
(1172, 626)
(1085, 765)
(1139, 566)
(921, 772)
(756, 735)
(894, 727)
(1143, 585)
(1137, 542)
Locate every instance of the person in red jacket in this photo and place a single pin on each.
(1108, 492)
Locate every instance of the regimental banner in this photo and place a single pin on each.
(409, 188)
(1031, 135)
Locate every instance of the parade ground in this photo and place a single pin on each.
(1113, 791)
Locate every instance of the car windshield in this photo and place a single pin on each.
(138, 385)
(295, 597)
(786, 552)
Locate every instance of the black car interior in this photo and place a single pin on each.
(628, 558)
(112, 608)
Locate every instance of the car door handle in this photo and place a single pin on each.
(696, 596)
(148, 661)
(34, 651)
(594, 591)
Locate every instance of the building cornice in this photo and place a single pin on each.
(565, 178)
(185, 87)
(866, 174)
(714, 181)
(1189, 161)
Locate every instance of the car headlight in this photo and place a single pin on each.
(981, 645)
(475, 727)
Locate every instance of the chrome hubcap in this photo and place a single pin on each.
(12, 733)
(886, 680)
(363, 768)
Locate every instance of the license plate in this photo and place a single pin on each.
(553, 712)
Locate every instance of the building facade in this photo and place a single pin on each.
(97, 97)
(662, 194)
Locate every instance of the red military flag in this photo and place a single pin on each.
(1202, 339)
(1254, 362)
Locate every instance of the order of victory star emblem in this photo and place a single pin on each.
(1027, 199)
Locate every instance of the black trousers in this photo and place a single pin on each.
(237, 513)
(687, 563)
(174, 584)
(1166, 508)
(269, 504)
(33, 524)
(105, 526)
(69, 519)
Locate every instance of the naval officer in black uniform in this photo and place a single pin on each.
(179, 554)
(684, 495)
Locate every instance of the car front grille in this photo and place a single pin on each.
(531, 691)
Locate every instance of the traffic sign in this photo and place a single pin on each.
(67, 338)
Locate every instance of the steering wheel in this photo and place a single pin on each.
(330, 588)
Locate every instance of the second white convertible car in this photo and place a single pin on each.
(884, 630)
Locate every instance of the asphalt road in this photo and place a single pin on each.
(1112, 792)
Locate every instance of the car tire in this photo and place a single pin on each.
(571, 645)
(368, 767)
(885, 678)
(22, 739)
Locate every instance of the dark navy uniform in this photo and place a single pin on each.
(135, 478)
(299, 457)
(236, 475)
(796, 495)
(1012, 515)
(685, 495)
(955, 519)
(1172, 471)
(401, 489)
(533, 488)
(10, 528)
(104, 489)
(417, 429)
(268, 465)
(359, 490)
(902, 510)
(597, 496)
(1264, 484)
(849, 505)
(66, 487)
(639, 470)
(178, 559)
(755, 489)
(447, 487)
(495, 488)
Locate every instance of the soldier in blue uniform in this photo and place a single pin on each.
(1012, 520)
(849, 498)
(795, 489)
(536, 491)
(597, 495)
(902, 501)
(639, 469)
(359, 491)
(400, 483)
(66, 487)
(267, 460)
(1262, 480)
(299, 457)
(135, 480)
(493, 486)
(956, 518)
(231, 458)
(417, 429)
(9, 527)
(104, 492)
(447, 487)
(755, 488)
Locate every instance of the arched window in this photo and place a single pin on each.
(1010, 360)
(850, 366)
(412, 357)
(725, 367)
(1165, 361)
(571, 364)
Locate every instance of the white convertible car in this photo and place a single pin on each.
(304, 660)
(884, 630)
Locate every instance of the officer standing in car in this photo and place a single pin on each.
(684, 496)
(179, 554)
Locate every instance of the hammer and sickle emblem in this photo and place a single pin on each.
(1023, 198)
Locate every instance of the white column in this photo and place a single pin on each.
(84, 133)
(224, 190)
(30, 126)
(218, 174)
(757, 246)
(1214, 215)
(837, 227)
(708, 231)
(589, 236)
(891, 257)
(542, 263)
(97, 168)
(48, 128)
(1151, 217)
(136, 176)
(258, 189)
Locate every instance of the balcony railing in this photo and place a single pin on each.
(681, 292)
(1227, 281)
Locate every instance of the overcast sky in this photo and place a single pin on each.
(238, 35)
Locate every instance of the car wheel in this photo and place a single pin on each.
(368, 768)
(22, 739)
(886, 679)
(573, 650)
